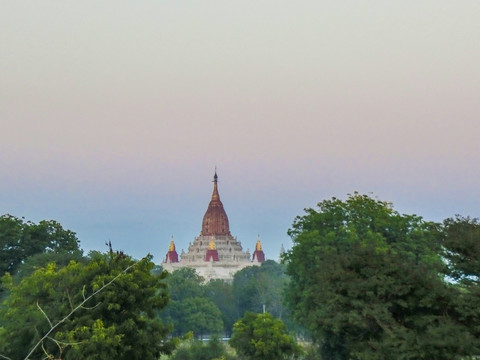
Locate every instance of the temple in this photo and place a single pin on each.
(215, 253)
(172, 256)
(258, 254)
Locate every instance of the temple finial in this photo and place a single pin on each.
(258, 246)
(215, 195)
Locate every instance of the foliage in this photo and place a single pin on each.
(203, 307)
(462, 249)
(365, 281)
(39, 260)
(312, 352)
(221, 294)
(190, 309)
(263, 337)
(462, 253)
(185, 283)
(256, 286)
(20, 239)
(198, 350)
(196, 314)
(246, 290)
(118, 322)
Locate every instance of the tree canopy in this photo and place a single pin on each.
(462, 249)
(367, 282)
(263, 337)
(213, 307)
(462, 252)
(20, 239)
(190, 309)
(191, 349)
(117, 322)
(258, 286)
(221, 294)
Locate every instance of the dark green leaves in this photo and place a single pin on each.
(367, 282)
(263, 337)
(21, 239)
(118, 322)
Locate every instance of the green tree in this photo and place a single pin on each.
(366, 282)
(462, 249)
(213, 349)
(246, 290)
(462, 252)
(185, 283)
(117, 322)
(39, 260)
(196, 314)
(221, 294)
(20, 239)
(256, 286)
(263, 337)
(190, 309)
(272, 282)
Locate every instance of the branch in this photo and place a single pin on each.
(69, 299)
(92, 307)
(47, 355)
(60, 348)
(43, 312)
(66, 343)
(79, 306)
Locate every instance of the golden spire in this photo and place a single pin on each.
(212, 246)
(258, 247)
(215, 195)
(172, 245)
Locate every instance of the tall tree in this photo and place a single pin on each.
(462, 252)
(54, 309)
(221, 294)
(365, 282)
(256, 286)
(462, 249)
(20, 239)
(246, 290)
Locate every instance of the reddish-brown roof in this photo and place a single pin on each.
(215, 220)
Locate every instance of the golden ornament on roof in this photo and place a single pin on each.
(212, 246)
(258, 247)
(172, 245)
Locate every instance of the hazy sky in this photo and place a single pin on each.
(114, 114)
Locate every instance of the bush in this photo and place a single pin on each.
(213, 349)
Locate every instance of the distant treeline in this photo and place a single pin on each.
(212, 307)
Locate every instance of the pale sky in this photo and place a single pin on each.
(114, 114)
